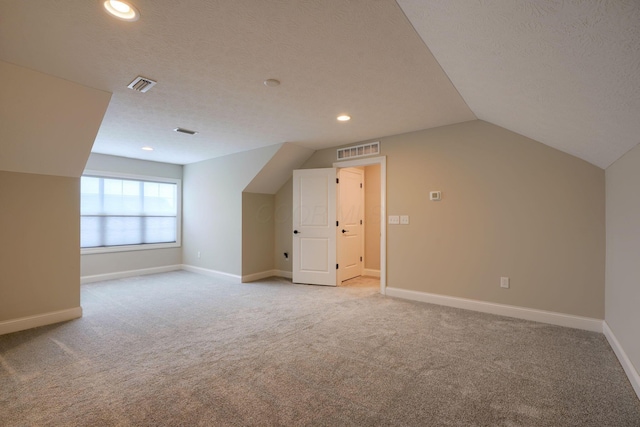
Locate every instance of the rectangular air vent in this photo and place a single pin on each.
(187, 131)
(359, 150)
(141, 84)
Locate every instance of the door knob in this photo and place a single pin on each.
(296, 232)
(344, 231)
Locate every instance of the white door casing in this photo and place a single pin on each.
(314, 226)
(350, 237)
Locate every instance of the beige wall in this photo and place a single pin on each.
(47, 124)
(47, 128)
(511, 207)
(623, 247)
(212, 209)
(372, 217)
(258, 233)
(107, 163)
(40, 250)
(113, 262)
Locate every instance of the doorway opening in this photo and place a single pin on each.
(376, 214)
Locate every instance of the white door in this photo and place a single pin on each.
(314, 226)
(350, 218)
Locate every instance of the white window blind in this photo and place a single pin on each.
(123, 212)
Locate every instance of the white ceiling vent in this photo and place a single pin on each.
(359, 150)
(187, 131)
(141, 84)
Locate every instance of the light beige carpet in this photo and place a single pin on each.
(181, 349)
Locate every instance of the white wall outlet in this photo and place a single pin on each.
(394, 219)
(404, 219)
(504, 282)
(435, 196)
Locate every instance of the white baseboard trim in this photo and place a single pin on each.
(553, 318)
(208, 272)
(22, 323)
(129, 273)
(370, 272)
(629, 369)
(257, 276)
(283, 273)
(264, 274)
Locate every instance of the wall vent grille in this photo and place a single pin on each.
(141, 84)
(368, 149)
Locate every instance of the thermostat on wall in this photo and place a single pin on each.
(435, 196)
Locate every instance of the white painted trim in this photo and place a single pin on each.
(257, 276)
(128, 248)
(22, 323)
(382, 161)
(370, 272)
(207, 272)
(129, 273)
(627, 365)
(264, 274)
(553, 318)
(285, 274)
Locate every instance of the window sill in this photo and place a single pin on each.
(128, 248)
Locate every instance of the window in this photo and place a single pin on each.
(124, 212)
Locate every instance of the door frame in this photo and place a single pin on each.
(382, 161)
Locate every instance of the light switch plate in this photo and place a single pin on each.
(404, 219)
(394, 219)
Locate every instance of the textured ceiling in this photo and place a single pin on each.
(360, 57)
(565, 73)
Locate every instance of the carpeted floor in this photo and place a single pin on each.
(181, 349)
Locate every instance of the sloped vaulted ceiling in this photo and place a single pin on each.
(210, 58)
(565, 73)
(47, 125)
(279, 169)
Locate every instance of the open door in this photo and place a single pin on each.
(350, 237)
(314, 226)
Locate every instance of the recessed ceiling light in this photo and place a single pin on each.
(147, 148)
(344, 118)
(122, 10)
(272, 82)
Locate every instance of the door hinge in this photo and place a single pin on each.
(360, 259)
(337, 266)
(337, 180)
(360, 222)
(360, 185)
(337, 224)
